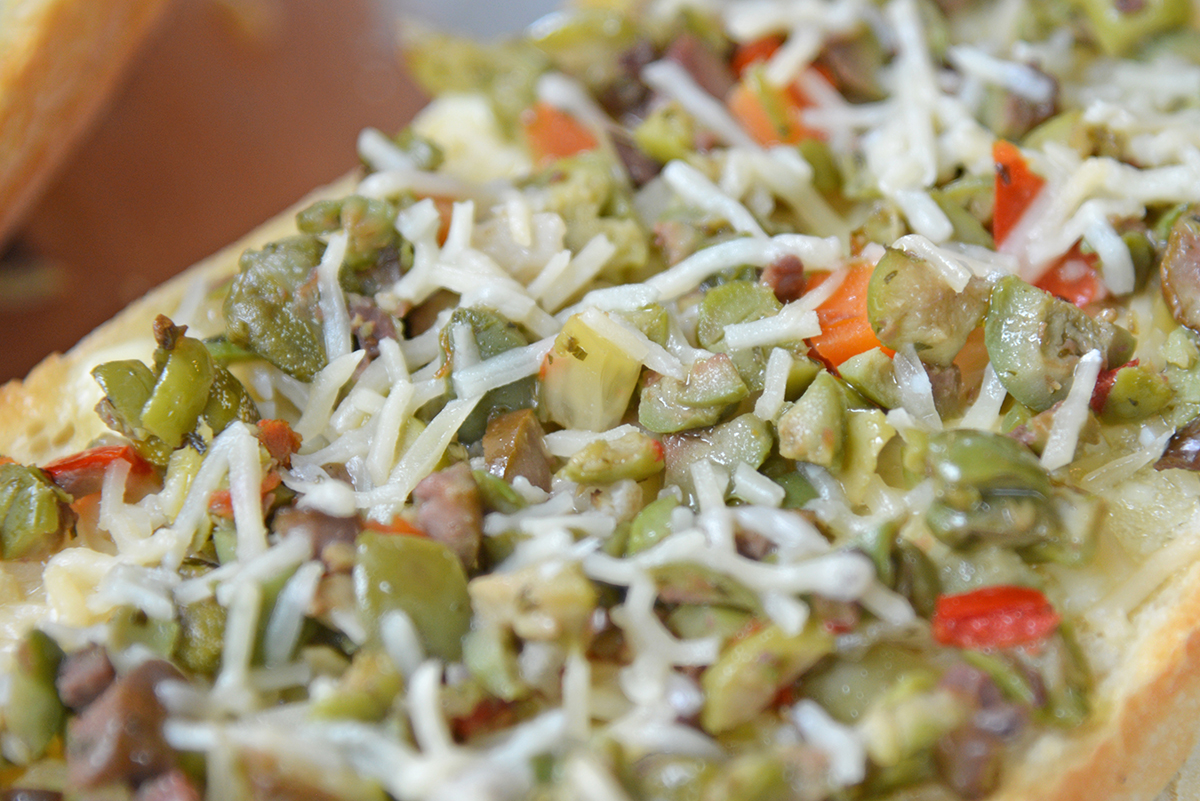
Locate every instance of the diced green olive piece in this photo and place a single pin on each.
(1180, 269)
(705, 620)
(651, 525)
(847, 687)
(267, 312)
(425, 154)
(228, 400)
(910, 303)
(490, 654)
(967, 228)
(990, 489)
(1137, 392)
(131, 626)
(586, 41)
(370, 225)
(181, 393)
(1073, 541)
(742, 439)
(127, 385)
(1066, 128)
(1035, 340)
(1120, 27)
(652, 320)
(668, 405)
(752, 777)
(34, 714)
(493, 334)
(634, 456)
(667, 133)
(873, 375)
(537, 606)
(749, 674)
(813, 430)
(670, 777)
(737, 302)
(1066, 678)
(364, 692)
(201, 637)
(419, 576)
(32, 512)
(1011, 681)
(587, 381)
(497, 494)
(916, 577)
(686, 583)
(910, 718)
(867, 433)
(984, 462)
(827, 178)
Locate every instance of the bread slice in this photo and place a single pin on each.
(60, 60)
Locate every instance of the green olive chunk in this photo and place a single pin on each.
(33, 513)
(420, 577)
(909, 303)
(34, 715)
(272, 310)
(749, 674)
(1035, 340)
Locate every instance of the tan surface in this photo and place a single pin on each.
(59, 62)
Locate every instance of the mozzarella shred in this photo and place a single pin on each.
(1071, 416)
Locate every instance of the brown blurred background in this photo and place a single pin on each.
(232, 110)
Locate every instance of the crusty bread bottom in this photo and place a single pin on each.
(1145, 725)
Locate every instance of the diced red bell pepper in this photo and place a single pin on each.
(1074, 278)
(1016, 187)
(756, 52)
(279, 439)
(82, 473)
(994, 617)
(221, 501)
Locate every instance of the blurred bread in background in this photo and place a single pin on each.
(231, 111)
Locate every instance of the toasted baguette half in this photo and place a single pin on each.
(60, 61)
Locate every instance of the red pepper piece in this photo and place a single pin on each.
(1016, 187)
(994, 617)
(82, 473)
(279, 439)
(1074, 278)
(751, 53)
(221, 501)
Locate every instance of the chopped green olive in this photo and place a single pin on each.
(492, 335)
(651, 525)
(181, 392)
(270, 311)
(668, 405)
(1137, 392)
(420, 577)
(813, 430)
(1035, 340)
(873, 375)
(33, 512)
(34, 715)
(742, 439)
(364, 692)
(666, 133)
(748, 674)
(737, 302)
(909, 718)
(910, 303)
(634, 456)
(201, 637)
(1119, 26)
